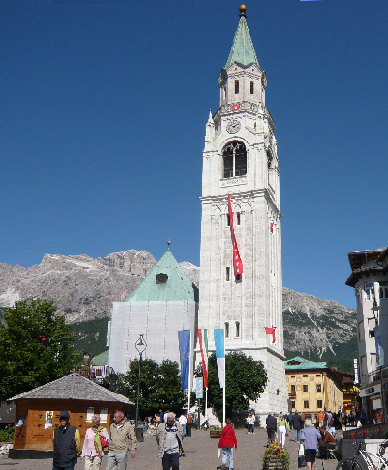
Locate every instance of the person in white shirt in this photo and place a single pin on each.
(183, 422)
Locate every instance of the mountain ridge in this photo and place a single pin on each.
(83, 289)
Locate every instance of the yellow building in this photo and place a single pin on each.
(312, 387)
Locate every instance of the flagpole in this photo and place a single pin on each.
(223, 390)
(188, 381)
(206, 404)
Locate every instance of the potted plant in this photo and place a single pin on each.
(215, 431)
(276, 457)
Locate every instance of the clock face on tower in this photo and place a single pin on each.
(233, 126)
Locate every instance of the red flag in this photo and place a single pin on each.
(237, 263)
(271, 227)
(271, 331)
(202, 346)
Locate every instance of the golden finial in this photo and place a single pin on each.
(169, 243)
(243, 10)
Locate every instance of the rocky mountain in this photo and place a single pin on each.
(83, 288)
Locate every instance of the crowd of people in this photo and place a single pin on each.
(316, 438)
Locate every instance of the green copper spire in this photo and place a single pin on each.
(242, 50)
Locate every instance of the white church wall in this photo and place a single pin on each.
(159, 322)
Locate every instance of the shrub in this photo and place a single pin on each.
(7, 433)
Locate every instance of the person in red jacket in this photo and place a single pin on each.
(227, 443)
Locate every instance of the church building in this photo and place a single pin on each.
(165, 302)
(240, 159)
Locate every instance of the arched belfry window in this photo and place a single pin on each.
(235, 159)
(226, 325)
(237, 332)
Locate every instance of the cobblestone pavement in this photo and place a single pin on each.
(201, 453)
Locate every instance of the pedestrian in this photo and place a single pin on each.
(183, 422)
(282, 429)
(227, 443)
(310, 437)
(169, 437)
(272, 425)
(297, 423)
(161, 416)
(122, 440)
(251, 423)
(320, 417)
(289, 419)
(327, 442)
(67, 444)
(92, 450)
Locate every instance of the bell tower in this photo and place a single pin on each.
(240, 159)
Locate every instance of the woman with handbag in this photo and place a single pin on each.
(227, 443)
(96, 439)
(310, 437)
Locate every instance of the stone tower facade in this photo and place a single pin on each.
(240, 158)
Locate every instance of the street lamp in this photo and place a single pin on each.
(140, 346)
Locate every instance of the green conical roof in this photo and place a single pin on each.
(176, 287)
(242, 50)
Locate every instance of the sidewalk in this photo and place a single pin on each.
(201, 453)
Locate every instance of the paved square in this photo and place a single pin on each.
(201, 453)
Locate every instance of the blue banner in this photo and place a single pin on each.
(184, 350)
(379, 347)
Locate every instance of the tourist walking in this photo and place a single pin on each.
(122, 440)
(282, 429)
(169, 437)
(227, 443)
(272, 425)
(96, 439)
(183, 422)
(320, 417)
(297, 424)
(310, 437)
(67, 444)
(251, 423)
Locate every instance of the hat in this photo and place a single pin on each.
(64, 415)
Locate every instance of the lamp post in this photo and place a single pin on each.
(140, 346)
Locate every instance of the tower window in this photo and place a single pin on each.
(251, 88)
(227, 277)
(236, 87)
(226, 329)
(228, 220)
(383, 290)
(238, 218)
(237, 329)
(235, 159)
(369, 293)
(238, 277)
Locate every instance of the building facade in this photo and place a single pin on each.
(369, 278)
(240, 159)
(164, 303)
(313, 387)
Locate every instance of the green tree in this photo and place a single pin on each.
(160, 386)
(35, 347)
(245, 380)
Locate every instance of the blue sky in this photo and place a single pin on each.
(103, 111)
